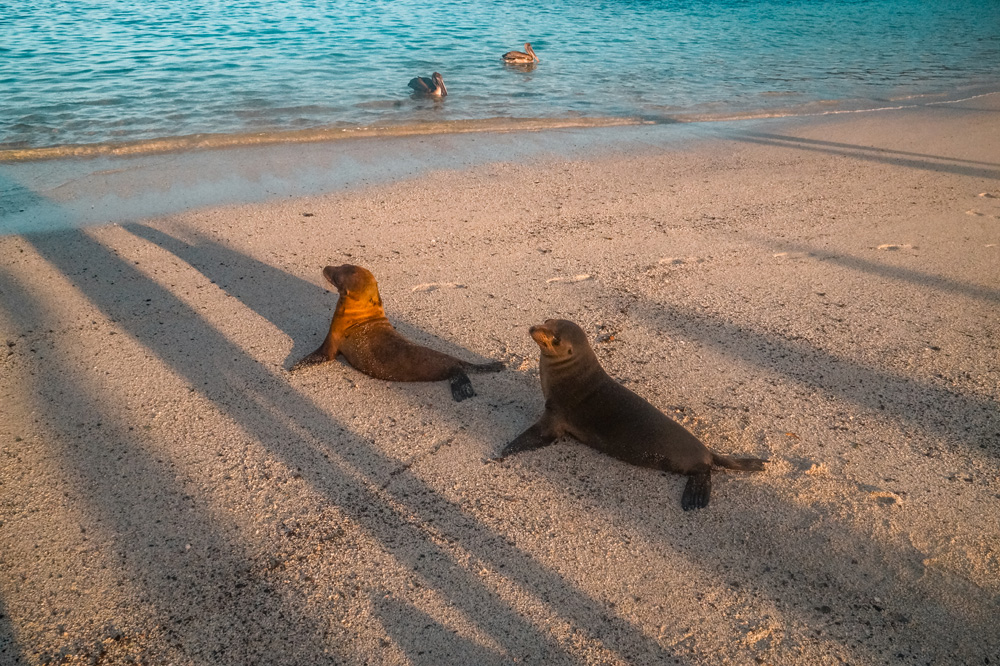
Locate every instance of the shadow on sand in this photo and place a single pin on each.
(230, 585)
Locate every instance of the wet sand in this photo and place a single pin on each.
(822, 292)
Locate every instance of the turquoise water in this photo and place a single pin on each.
(100, 72)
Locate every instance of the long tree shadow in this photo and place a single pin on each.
(845, 550)
(389, 502)
(304, 310)
(797, 574)
(201, 582)
(969, 419)
(10, 650)
(426, 641)
(804, 559)
(896, 273)
(935, 163)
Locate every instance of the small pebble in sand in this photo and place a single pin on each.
(973, 212)
(892, 247)
(987, 195)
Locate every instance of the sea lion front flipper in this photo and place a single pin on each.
(535, 437)
(326, 352)
(461, 387)
(697, 491)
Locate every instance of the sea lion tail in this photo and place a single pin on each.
(493, 366)
(739, 464)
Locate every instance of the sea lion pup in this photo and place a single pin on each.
(361, 332)
(519, 58)
(583, 401)
(433, 86)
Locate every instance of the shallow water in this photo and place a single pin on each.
(77, 73)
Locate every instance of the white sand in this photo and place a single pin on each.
(825, 294)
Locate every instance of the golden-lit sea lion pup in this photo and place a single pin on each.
(361, 332)
(583, 401)
(519, 58)
(433, 87)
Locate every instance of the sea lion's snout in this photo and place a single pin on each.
(540, 334)
(333, 274)
(354, 281)
(546, 338)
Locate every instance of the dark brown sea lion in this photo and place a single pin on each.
(361, 332)
(583, 401)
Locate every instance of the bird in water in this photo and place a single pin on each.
(433, 86)
(519, 58)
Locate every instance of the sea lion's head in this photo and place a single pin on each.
(354, 283)
(560, 338)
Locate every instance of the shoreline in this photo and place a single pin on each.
(45, 195)
(823, 292)
(188, 143)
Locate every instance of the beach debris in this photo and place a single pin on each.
(680, 261)
(987, 195)
(605, 334)
(432, 286)
(570, 278)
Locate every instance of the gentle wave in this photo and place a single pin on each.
(215, 141)
(499, 124)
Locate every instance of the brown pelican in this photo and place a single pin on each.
(432, 86)
(518, 58)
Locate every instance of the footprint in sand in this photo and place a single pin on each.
(892, 247)
(570, 278)
(432, 286)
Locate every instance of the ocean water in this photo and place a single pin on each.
(87, 76)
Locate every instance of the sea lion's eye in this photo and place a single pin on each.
(555, 341)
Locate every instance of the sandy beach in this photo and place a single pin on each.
(821, 292)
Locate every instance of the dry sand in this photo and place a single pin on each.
(824, 293)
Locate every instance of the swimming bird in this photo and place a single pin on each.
(519, 58)
(433, 86)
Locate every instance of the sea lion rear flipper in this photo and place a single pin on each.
(461, 387)
(697, 491)
(535, 437)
